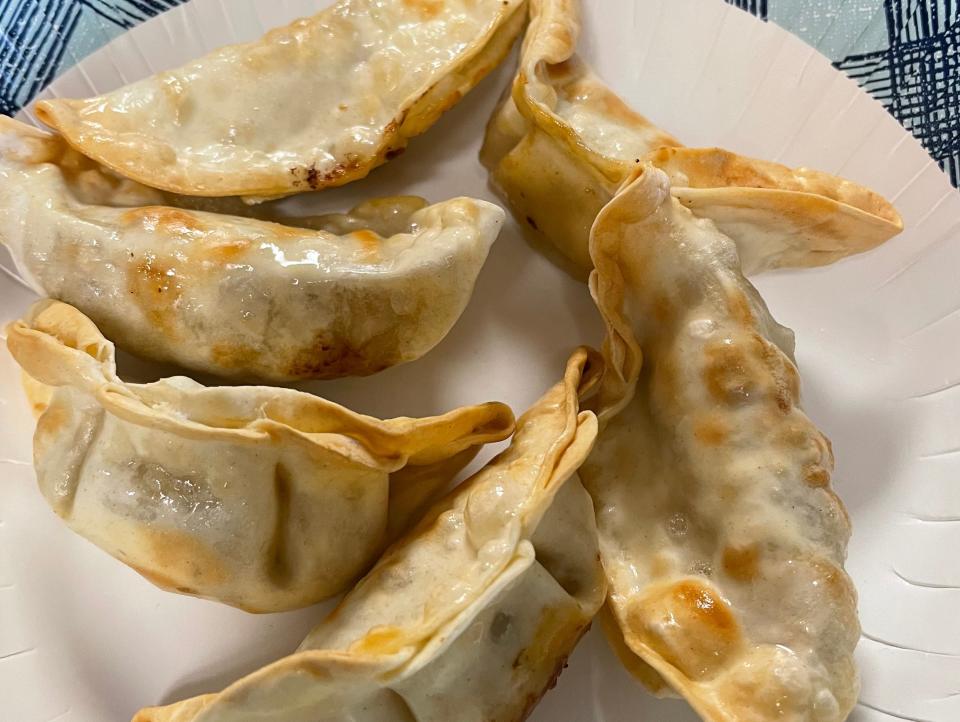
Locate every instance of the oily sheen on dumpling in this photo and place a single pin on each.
(471, 615)
(722, 541)
(234, 296)
(562, 142)
(318, 103)
(263, 498)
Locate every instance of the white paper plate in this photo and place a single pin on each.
(84, 639)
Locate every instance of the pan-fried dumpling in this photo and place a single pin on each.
(318, 103)
(470, 616)
(722, 541)
(562, 143)
(233, 296)
(263, 498)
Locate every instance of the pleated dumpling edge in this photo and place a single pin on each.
(263, 498)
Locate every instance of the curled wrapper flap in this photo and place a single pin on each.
(562, 143)
(263, 498)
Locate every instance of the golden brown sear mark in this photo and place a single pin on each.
(178, 555)
(816, 476)
(726, 373)
(427, 9)
(156, 289)
(230, 356)
(710, 430)
(380, 640)
(222, 253)
(687, 624)
(741, 563)
(369, 241)
(163, 218)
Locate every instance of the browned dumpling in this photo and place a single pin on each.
(263, 498)
(562, 143)
(318, 103)
(721, 539)
(471, 615)
(236, 296)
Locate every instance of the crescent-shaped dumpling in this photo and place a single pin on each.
(721, 538)
(233, 296)
(562, 142)
(263, 498)
(318, 103)
(471, 615)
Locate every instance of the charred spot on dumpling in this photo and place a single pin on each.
(816, 476)
(394, 153)
(392, 128)
(316, 181)
(328, 357)
(554, 640)
(313, 177)
(533, 699)
(689, 624)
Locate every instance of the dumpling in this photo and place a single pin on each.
(562, 142)
(721, 538)
(263, 498)
(233, 296)
(318, 103)
(470, 616)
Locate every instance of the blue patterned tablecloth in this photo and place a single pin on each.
(905, 52)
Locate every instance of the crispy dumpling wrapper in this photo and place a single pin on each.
(722, 541)
(233, 296)
(263, 498)
(318, 103)
(562, 142)
(471, 615)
